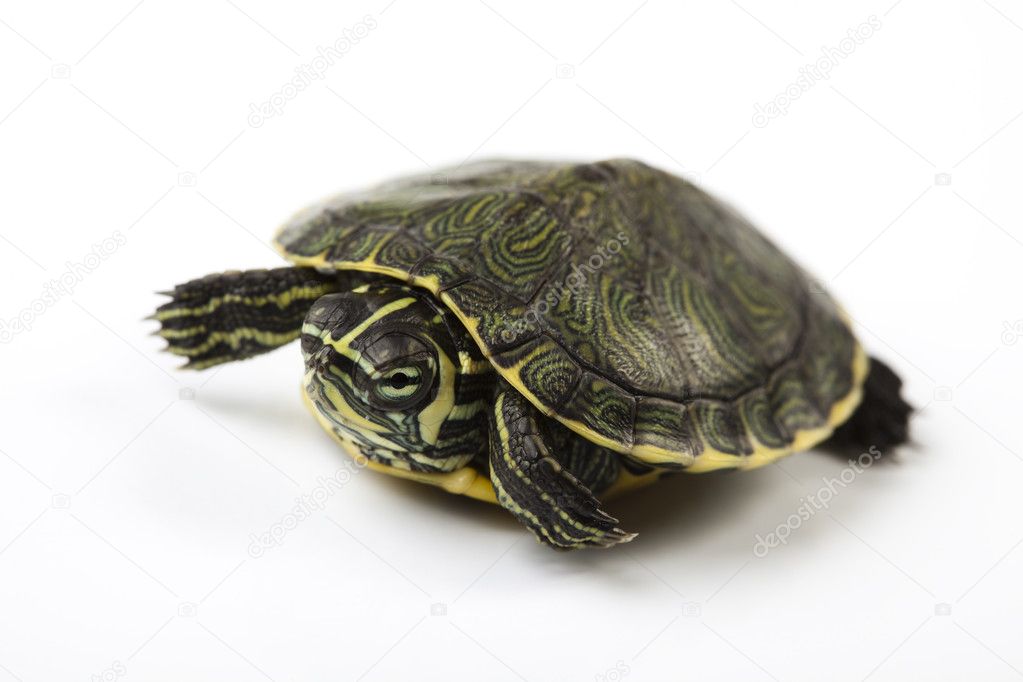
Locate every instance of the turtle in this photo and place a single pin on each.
(547, 335)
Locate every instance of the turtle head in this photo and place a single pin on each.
(385, 373)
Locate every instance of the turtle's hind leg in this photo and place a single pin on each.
(235, 315)
(882, 418)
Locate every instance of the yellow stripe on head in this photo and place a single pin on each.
(384, 370)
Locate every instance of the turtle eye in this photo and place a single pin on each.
(400, 387)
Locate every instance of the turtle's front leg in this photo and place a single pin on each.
(532, 485)
(236, 315)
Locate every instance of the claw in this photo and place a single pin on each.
(529, 482)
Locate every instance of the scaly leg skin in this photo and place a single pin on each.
(531, 484)
(882, 418)
(235, 315)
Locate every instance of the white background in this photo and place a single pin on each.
(129, 490)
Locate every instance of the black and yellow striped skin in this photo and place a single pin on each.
(357, 343)
(393, 375)
(622, 301)
(541, 490)
(236, 315)
(450, 420)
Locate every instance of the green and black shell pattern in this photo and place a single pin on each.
(623, 301)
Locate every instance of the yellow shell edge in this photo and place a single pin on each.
(468, 481)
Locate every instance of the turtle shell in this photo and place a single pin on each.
(623, 301)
